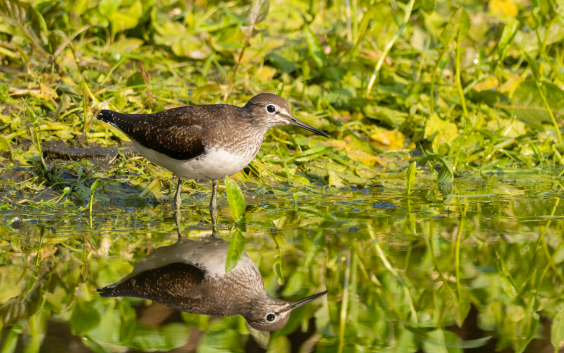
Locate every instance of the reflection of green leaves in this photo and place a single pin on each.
(410, 176)
(278, 264)
(235, 251)
(457, 305)
(557, 329)
(84, 317)
(235, 198)
(160, 338)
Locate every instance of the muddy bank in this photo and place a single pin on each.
(58, 150)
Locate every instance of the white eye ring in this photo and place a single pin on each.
(271, 108)
(270, 317)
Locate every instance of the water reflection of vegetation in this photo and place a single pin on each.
(486, 258)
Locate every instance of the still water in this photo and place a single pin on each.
(474, 267)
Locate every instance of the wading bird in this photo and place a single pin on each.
(205, 142)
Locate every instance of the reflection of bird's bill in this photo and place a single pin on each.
(306, 300)
(303, 125)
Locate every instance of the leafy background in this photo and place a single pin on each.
(471, 90)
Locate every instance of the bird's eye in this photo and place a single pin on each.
(270, 108)
(270, 317)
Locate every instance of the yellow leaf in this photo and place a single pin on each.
(503, 7)
(510, 85)
(338, 144)
(489, 83)
(118, 133)
(440, 131)
(334, 178)
(265, 74)
(363, 157)
(511, 128)
(388, 139)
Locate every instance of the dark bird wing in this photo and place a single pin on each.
(176, 132)
(176, 285)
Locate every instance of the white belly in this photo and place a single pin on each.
(209, 254)
(214, 165)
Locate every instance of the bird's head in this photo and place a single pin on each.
(273, 110)
(272, 314)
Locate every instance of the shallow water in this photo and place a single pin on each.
(470, 267)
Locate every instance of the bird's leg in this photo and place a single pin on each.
(213, 202)
(177, 199)
(177, 221)
(213, 209)
(213, 213)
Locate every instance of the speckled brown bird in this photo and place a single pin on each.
(190, 276)
(205, 142)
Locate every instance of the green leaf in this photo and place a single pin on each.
(528, 103)
(507, 38)
(315, 48)
(311, 154)
(84, 317)
(446, 176)
(457, 306)
(459, 24)
(4, 144)
(531, 334)
(24, 16)
(428, 5)
(235, 251)
(261, 337)
(334, 178)
(108, 7)
(410, 175)
(127, 19)
(277, 268)
(557, 329)
(363, 145)
(235, 198)
(94, 186)
(534, 67)
(464, 21)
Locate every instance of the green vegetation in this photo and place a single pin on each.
(431, 214)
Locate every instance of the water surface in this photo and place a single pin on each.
(474, 266)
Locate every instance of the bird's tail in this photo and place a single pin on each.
(124, 289)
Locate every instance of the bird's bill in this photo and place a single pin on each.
(296, 122)
(306, 300)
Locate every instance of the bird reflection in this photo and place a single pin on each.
(190, 276)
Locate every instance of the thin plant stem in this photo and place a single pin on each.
(458, 80)
(543, 97)
(232, 81)
(344, 304)
(389, 46)
(390, 268)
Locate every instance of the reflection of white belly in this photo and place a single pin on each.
(214, 165)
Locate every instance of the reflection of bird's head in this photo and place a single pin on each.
(270, 314)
